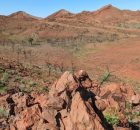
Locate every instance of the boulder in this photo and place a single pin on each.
(135, 99)
(71, 104)
(101, 104)
(49, 115)
(81, 116)
(84, 79)
(21, 101)
(66, 80)
(41, 99)
(28, 118)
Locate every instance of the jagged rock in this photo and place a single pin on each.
(56, 103)
(71, 82)
(3, 102)
(112, 88)
(81, 116)
(28, 118)
(121, 128)
(21, 101)
(43, 126)
(113, 104)
(71, 104)
(49, 115)
(136, 120)
(135, 99)
(101, 104)
(66, 80)
(41, 99)
(84, 79)
(123, 120)
(116, 95)
(12, 127)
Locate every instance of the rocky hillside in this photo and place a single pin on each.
(22, 15)
(73, 102)
(106, 24)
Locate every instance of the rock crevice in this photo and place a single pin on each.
(71, 104)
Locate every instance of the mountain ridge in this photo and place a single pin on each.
(66, 11)
(22, 14)
(86, 25)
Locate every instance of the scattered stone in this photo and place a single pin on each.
(70, 104)
(135, 99)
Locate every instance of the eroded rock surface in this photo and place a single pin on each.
(71, 104)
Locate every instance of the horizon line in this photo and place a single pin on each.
(27, 12)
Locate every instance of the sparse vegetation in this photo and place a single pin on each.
(5, 77)
(112, 119)
(104, 77)
(2, 88)
(128, 105)
(3, 113)
(129, 25)
(42, 89)
(131, 115)
(35, 52)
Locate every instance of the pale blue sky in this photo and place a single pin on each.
(44, 8)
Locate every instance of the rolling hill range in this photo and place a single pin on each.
(106, 24)
(70, 71)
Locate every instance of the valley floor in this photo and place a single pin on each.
(121, 58)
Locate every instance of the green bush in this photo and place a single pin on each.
(112, 119)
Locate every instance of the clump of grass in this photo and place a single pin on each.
(17, 78)
(2, 87)
(129, 113)
(5, 77)
(112, 119)
(2, 90)
(32, 84)
(3, 82)
(3, 113)
(128, 105)
(26, 89)
(42, 89)
(45, 89)
(104, 77)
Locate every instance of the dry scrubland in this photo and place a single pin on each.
(35, 52)
(120, 58)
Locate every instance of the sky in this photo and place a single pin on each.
(43, 8)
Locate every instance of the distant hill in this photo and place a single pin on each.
(59, 14)
(107, 23)
(22, 15)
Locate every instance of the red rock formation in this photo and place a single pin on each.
(70, 105)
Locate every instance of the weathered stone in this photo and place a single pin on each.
(28, 117)
(81, 117)
(135, 99)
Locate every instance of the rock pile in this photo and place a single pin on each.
(71, 104)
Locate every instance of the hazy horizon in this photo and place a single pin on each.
(44, 8)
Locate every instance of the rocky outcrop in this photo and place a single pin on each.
(71, 104)
(81, 116)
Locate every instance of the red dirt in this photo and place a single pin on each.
(122, 57)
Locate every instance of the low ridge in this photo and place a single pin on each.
(22, 15)
(60, 13)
